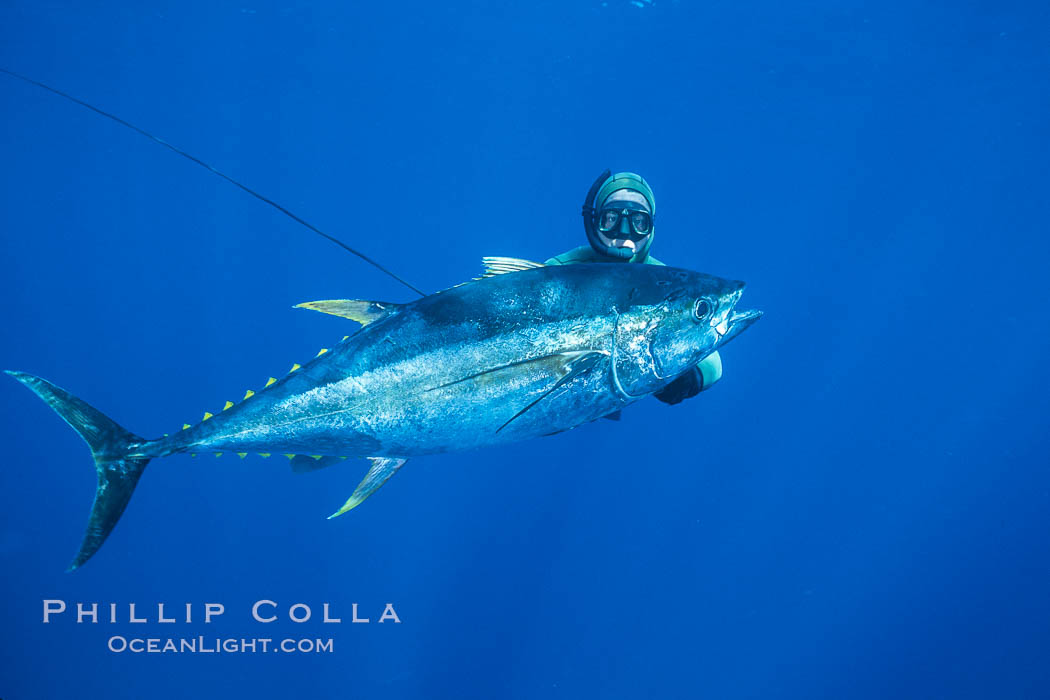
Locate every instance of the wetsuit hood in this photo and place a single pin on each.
(605, 185)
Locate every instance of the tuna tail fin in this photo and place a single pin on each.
(111, 445)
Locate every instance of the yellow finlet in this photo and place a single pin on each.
(322, 351)
(248, 394)
(345, 337)
(228, 406)
(264, 454)
(218, 454)
(289, 456)
(206, 416)
(242, 455)
(295, 367)
(193, 454)
(185, 426)
(270, 381)
(317, 456)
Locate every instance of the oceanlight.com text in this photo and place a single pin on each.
(217, 645)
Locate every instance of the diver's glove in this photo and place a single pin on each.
(685, 387)
(701, 377)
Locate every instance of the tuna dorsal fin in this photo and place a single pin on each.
(382, 469)
(501, 266)
(364, 312)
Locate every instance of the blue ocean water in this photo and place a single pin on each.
(859, 508)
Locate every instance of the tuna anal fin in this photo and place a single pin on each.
(304, 463)
(364, 312)
(382, 469)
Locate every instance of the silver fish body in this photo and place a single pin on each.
(501, 359)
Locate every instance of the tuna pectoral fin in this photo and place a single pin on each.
(577, 362)
(111, 445)
(382, 469)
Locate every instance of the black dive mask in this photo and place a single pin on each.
(624, 219)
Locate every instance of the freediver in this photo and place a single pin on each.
(620, 230)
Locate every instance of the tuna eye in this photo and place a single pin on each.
(702, 309)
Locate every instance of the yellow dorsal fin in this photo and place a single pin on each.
(206, 416)
(288, 455)
(248, 394)
(316, 456)
(360, 310)
(218, 454)
(228, 406)
(345, 337)
(193, 454)
(242, 455)
(185, 426)
(264, 454)
(322, 351)
(270, 381)
(295, 367)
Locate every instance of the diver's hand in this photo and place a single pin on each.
(685, 387)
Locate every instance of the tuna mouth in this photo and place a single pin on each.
(735, 324)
